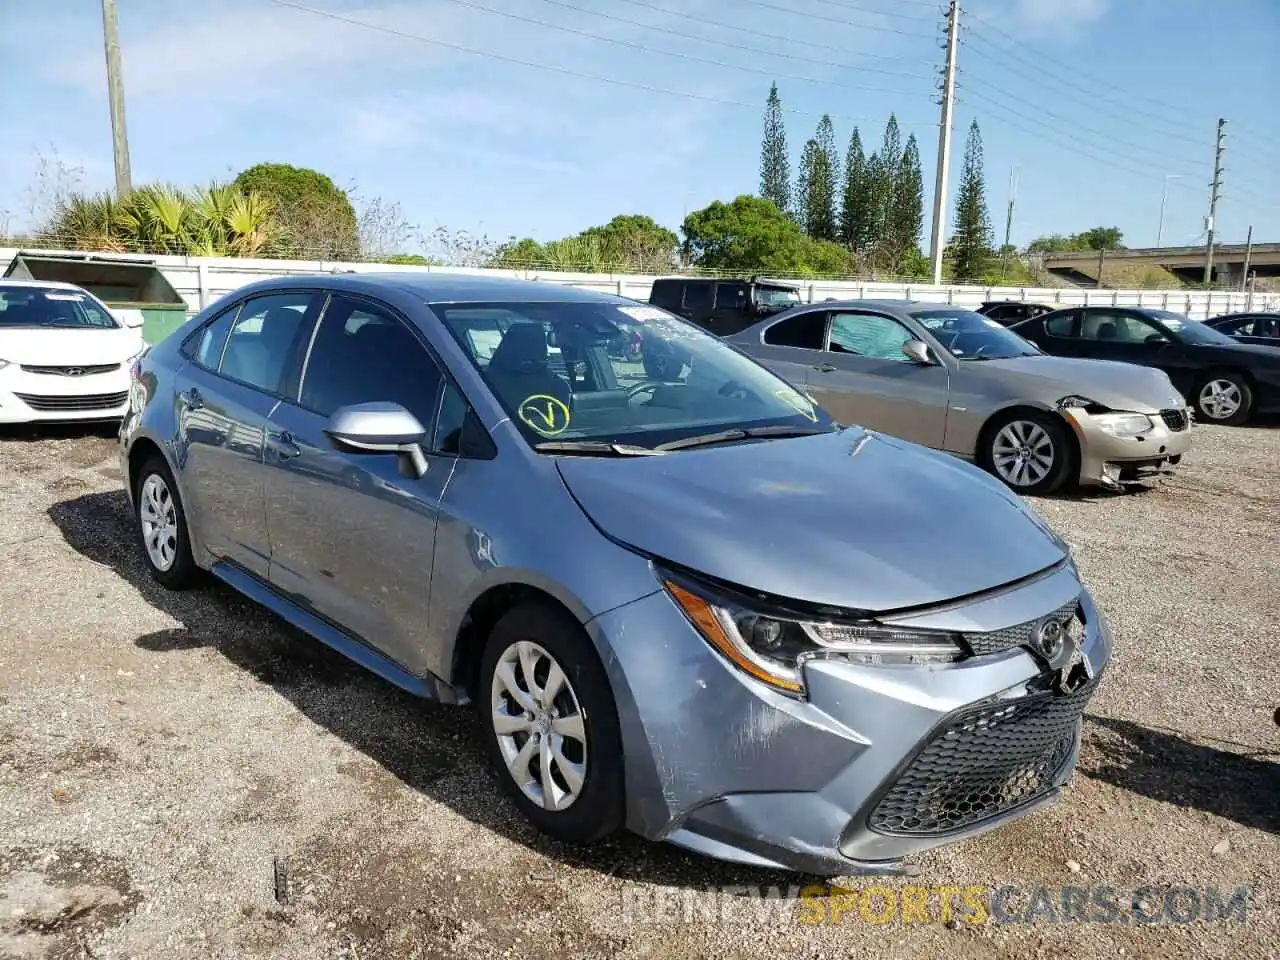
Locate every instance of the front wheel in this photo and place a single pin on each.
(550, 726)
(1224, 398)
(1029, 451)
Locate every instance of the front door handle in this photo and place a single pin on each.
(283, 445)
(826, 368)
(191, 399)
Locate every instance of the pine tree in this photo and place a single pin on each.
(883, 179)
(826, 137)
(906, 213)
(816, 191)
(775, 169)
(856, 229)
(971, 246)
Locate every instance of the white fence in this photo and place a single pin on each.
(202, 280)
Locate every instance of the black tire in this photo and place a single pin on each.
(1237, 381)
(182, 572)
(600, 806)
(1063, 451)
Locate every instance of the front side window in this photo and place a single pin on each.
(560, 374)
(1188, 330)
(1063, 325)
(697, 295)
(22, 306)
(263, 338)
(777, 298)
(967, 335)
(868, 335)
(363, 354)
(1115, 327)
(731, 296)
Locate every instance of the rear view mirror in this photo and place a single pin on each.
(918, 352)
(379, 427)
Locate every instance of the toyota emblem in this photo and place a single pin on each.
(1048, 640)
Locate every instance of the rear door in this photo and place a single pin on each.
(352, 536)
(791, 346)
(239, 364)
(868, 380)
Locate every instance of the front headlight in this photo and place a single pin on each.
(1123, 424)
(773, 645)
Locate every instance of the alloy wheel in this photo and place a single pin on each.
(1023, 453)
(1220, 399)
(158, 515)
(539, 725)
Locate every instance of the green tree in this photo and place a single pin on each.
(972, 243)
(1054, 243)
(826, 137)
(751, 235)
(857, 231)
(906, 211)
(314, 218)
(775, 168)
(882, 172)
(1100, 238)
(635, 242)
(816, 190)
(519, 254)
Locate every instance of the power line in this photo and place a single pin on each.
(843, 51)
(692, 58)
(732, 46)
(877, 12)
(806, 15)
(550, 68)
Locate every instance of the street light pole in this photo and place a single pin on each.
(1164, 193)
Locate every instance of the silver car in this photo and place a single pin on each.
(957, 381)
(680, 598)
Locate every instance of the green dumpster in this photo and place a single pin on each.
(125, 285)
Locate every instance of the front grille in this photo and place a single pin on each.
(997, 641)
(85, 401)
(73, 371)
(1175, 420)
(987, 760)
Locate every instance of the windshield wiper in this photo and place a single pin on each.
(598, 448)
(739, 433)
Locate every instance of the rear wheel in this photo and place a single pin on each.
(162, 526)
(549, 724)
(1030, 451)
(1224, 397)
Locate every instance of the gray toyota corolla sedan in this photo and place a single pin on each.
(954, 380)
(680, 598)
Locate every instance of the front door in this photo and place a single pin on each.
(352, 535)
(224, 397)
(867, 379)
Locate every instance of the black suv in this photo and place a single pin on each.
(1009, 312)
(722, 307)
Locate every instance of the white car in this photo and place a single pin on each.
(63, 354)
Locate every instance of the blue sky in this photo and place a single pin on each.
(1095, 101)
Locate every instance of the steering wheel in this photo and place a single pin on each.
(644, 386)
(736, 391)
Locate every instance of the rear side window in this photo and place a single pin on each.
(697, 295)
(363, 353)
(263, 338)
(805, 330)
(666, 294)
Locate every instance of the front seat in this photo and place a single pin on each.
(520, 367)
(1106, 331)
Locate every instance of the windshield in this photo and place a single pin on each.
(776, 297)
(51, 307)
(971, 336)
(1188, 330)
(620, 373)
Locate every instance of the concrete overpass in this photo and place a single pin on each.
(1187, 263)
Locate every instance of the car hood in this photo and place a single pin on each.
(1264, 355)
(80, 347)
(1121, 386)
(850, 519)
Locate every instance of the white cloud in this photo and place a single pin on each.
(1049, 19)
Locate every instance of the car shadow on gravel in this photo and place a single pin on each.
(429, 747)
(1164, 765)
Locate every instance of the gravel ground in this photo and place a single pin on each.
(159, 752)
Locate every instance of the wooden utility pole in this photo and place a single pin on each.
(115, 92)
(944, 142)
(1248, 255)
(1216, 186)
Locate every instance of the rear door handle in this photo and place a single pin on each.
(283, 444)
(192, 399)
(826, 368)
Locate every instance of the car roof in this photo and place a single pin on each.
(442, 287)
(39, 284)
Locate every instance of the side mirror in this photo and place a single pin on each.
(1157, 339)
(130, 317)
(379, 427)
(918, 352)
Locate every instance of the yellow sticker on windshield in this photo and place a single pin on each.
(801, 404)
(546, 415)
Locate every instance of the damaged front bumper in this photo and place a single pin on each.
(1117, 462)
(873, 765)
